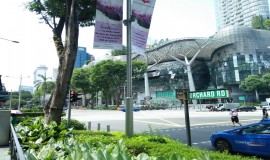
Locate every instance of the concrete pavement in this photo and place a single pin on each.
(4, 153)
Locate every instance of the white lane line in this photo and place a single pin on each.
(201, 142)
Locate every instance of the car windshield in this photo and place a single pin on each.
(263, 103)
(257, 129)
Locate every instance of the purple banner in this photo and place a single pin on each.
(142, 10)
(108, 27)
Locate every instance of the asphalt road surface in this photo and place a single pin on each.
(167, 122)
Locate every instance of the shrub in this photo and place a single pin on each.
(75, 124)
(34, 133)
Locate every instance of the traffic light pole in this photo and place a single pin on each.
(69, 109)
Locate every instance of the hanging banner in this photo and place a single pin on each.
(108, 26)
(142, 10)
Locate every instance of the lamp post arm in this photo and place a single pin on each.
(9, 40)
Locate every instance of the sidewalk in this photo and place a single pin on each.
(4, 153)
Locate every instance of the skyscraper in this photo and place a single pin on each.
(41, 70)
(82, 57)
(239, 12)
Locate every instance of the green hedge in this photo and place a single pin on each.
(51, 142)
(157, 146)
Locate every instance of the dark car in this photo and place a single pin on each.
(252, 139)
(246, 108)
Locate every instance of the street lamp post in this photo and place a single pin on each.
(20, 86)
(9, 40)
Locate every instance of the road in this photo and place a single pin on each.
(167, 122)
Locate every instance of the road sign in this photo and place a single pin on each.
(241, 98)
(166, 93)
(209, 94)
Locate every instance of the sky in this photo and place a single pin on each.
(171, 19)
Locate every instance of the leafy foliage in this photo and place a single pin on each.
(33, 134)
(50, 10)
(75, 124)
(251, 83)
(107, 76)
(257, 22)
(90, 145)
(123, 51)
(149, 147)
(266, 80)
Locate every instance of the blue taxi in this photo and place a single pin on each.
(252, 139)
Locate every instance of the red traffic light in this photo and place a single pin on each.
(73, 92)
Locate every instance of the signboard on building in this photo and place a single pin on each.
(167, 94)
(241, 98)
(209, 94)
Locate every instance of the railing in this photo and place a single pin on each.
(15, 147)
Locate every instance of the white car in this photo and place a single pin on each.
(265, 105)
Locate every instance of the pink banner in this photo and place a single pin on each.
(108, 27)
(142, 10)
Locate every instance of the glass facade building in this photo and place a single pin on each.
(82, 57)
(239, 12)
(226, 59)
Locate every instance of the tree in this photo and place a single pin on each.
(257, 22)
(60, 14)
(252, 84)
(81, 82)
(107, 75)
(43, 85)
(14, 100)
(266, 81)
(266, 24)
(138, 69)
(122, 51)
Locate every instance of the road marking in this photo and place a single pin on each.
(201, 142)
(165, 124)
(164, 120)
(212, 124)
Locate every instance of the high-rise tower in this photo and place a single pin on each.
(239, 12)
(82, 57)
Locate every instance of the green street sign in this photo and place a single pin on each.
(166, 93)
(210, 94)
(241, 98)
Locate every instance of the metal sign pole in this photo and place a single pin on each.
(187, 118)
(129, 98)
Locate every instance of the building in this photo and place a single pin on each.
(228, 58)
(41, 70)
(239, 12)
(82, 57)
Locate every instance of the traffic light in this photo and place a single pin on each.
(77, 96)
(73, 96)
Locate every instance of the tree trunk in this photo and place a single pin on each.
(67, 55)
(257, 95)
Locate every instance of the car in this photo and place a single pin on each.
(123, 109)
(246, 108)
(252, 139)
(265, 105)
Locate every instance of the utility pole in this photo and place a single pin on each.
(129, 98)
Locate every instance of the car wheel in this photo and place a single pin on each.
(223, 145)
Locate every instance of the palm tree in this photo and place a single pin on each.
(43, 84)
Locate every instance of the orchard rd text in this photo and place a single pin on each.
(211, 94)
